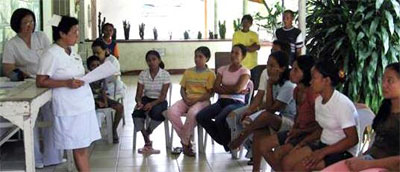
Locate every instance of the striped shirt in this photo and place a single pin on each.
(152, 87)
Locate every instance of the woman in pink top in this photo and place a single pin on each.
(231, 85)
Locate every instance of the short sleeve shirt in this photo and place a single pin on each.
(263, 83)
(247, 39)
(197, 83)
(58, 65)
(232, 78)
(284, 94)
(24, 58)
(152, 87)
(334, 116)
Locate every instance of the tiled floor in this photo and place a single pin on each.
(120, 157)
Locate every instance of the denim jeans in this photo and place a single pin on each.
(218, 129)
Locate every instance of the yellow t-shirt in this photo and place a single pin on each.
(197, 83)
(247, 39)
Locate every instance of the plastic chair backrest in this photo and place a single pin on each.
(256, 74)
(221, 59)
(365, 119)
(250, 86)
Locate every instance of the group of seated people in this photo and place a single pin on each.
(297, 121)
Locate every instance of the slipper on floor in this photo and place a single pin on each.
(177, 150)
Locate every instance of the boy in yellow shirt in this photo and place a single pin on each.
(249, 39)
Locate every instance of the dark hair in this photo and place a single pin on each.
(285, 46)
(99, 43)
(305, 63)
(155, 53)
(283, 61)
(243, 49)
(386, 106)
(64, 26)
(205, 51)
(328, 68)
(106, 24)
(90, 60)
(247, 17)
(290, 12)
(17, 17)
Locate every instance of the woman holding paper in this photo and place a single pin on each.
(75, 125)
(21, 60)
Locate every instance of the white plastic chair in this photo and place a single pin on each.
(106, 116)
(168, 137)
(365, 119)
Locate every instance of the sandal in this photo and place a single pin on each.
(176, 151)
(187, 150)
(148, 149)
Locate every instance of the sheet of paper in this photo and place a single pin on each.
(103, 71)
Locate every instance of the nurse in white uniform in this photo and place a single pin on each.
(76, 124)
(23, 52)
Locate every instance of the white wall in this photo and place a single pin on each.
(177, 55)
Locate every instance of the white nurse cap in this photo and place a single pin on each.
(55, 20)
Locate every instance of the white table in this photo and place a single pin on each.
(20, 105)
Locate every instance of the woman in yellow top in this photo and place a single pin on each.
(197, 83)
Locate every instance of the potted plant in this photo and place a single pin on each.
(210, 35)
(362, 37)
(199, 35)
(155, 33)
(127, 28)
(271, 21)
(237, 24)
(222, 29)
(141, 31)
(186, 35)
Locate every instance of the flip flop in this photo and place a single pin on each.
(176, 150)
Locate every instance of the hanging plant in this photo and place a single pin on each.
(362, 37)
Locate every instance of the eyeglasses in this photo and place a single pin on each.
(28, 23)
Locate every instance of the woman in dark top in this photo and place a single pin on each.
(384, 154)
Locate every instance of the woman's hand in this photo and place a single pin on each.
(246, 113)
(74, 83)
(139, 105)
(293, 133)
(148, 106)
(356, 164)
(312, 160)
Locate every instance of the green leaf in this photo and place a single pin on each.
(389, 18)
(369, 15)
(360, 36)
(374, 25)
(396, 7)
(378, 4)
(385, 40)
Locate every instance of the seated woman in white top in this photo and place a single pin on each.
(22, 53)
(113, 84)
(75, 126)
(150, 100)
(336, 114)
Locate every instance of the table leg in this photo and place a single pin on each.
(28, 145)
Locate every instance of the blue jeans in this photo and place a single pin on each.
(218, 129)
